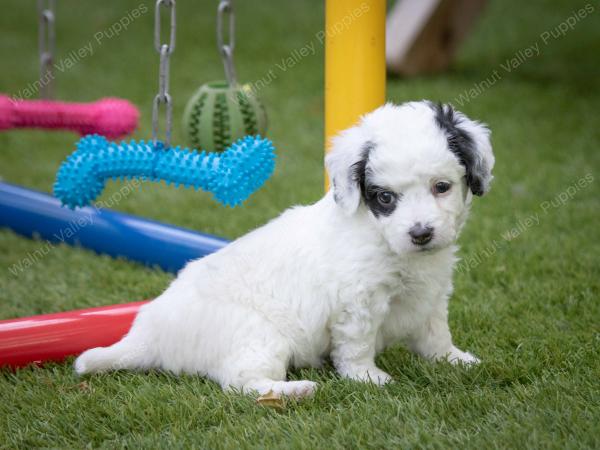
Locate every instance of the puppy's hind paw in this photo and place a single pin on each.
(94, 360)
(80, 365)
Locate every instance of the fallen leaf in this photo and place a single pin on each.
(84, 386)
(271, 400)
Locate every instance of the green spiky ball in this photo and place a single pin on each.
(217, 115)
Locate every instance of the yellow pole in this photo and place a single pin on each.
(354, 62)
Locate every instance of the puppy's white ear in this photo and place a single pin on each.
(346, 164)
(469, 140)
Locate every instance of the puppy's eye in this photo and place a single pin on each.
(385, 197)
(441, 187)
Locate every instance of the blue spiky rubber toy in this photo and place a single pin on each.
(231, 176)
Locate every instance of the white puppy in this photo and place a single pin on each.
(367, 266)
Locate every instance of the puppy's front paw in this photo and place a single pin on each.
(367, 375)
(457, 356)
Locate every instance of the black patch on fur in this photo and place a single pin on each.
(358, 172)
(360, 176)
(336, 195)
(375, 206)
(462, 145)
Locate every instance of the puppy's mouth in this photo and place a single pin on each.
(423, 242)
(429, 246)
(426, 249)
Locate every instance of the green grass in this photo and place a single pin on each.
(530, 309)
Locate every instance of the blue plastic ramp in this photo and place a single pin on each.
(32, 213)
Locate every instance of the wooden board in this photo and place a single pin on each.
(422, 36)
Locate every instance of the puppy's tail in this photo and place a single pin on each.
(128, 353)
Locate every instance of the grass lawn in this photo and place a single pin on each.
(526, 299)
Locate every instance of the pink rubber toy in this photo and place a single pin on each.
(110, 117)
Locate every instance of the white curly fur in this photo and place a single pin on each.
(331, 279)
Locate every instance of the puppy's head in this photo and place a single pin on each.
(413, 170)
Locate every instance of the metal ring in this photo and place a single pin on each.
(227, 56)
(163, 96)
(157, 44)
(225, 7)
(226, 49)
(158, 100)
(46, 45)
(163, 70)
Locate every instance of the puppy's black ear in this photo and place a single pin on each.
(346, 165)
(469, 140)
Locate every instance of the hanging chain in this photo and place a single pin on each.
(46, 44)
(165, 51)
(226, 50)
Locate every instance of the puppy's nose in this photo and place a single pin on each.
(420, 235)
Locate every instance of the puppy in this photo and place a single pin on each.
(367, 266)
